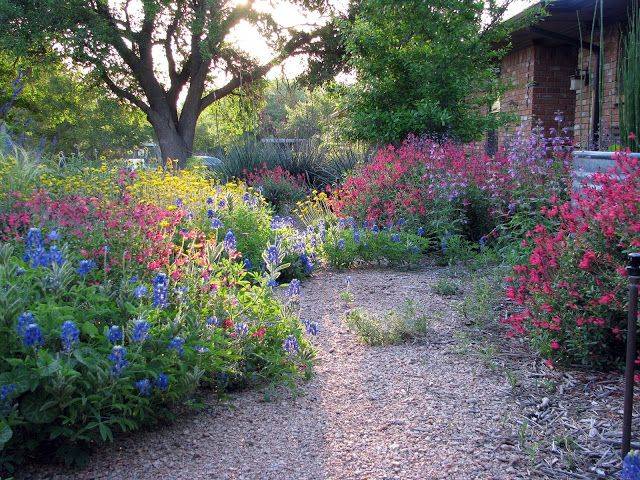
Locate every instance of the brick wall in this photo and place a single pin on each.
(609, 115)
(553, 68)
(517, 71)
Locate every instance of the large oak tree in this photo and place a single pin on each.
(170, 58)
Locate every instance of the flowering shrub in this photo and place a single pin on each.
(115, 306)
(279, 187)
(348, 244)
(572, 290)
(450, 189)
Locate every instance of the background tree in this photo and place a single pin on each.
(170, 58)
(424, 67)
(59, 109)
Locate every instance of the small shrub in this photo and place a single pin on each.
(279, 187)
(393, 328)
(572, 290)
(446, 287)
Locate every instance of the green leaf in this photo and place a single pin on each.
(90, 329)
(5, 433)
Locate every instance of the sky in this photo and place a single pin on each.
(289, 16)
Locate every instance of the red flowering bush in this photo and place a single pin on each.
(572, 291)
(450, 188)
(278, 186)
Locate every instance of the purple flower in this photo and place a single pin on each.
(162, 382)
(140, 331)
(213, 321)
(144, 387)
(160, 291)
(291, 345)
(216, 223)
(177, 344)
(69, 335)
(311, 327)
(140, 291)
(242, 329)
(118, 358)
(85, 267)
(33, 336)
(294, 288)
(24, 320)
(115, 334)
(230, 243)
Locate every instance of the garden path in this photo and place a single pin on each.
(424, 410)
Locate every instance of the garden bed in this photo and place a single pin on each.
(459, 401)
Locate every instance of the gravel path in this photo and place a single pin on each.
(424, 410)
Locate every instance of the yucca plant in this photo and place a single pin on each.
(629, 78)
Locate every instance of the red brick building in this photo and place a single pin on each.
(567, 63)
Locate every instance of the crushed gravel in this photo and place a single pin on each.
(424, 410)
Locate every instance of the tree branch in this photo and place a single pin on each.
(124, 94)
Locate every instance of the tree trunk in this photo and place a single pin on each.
(175, 143)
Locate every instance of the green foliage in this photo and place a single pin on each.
(424, 67)
(346, 247)
(446, 287)
(395, 327)
(629, 78)
(68, 110)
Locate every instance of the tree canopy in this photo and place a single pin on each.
(170, 58)
(424, 67)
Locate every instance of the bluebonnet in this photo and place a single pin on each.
(483, 241)
(6, 392)
(213, 321)
(176, 344)
(216, 223)
(291, 345)
(33, 244)
(444, 242)
(512, 208)
(375, 228)
(365, 224)
(162, 382)
(272, 255)
(341, 244)
(144, 387)
(311, 327)
(24, 320)
(307, 264)
(631, 466)
(32, 336)
(343, 223)
(20, 271)
(140, 291)
(115, 334)
(247, 264)
(179, 202)
(160, 289)
(85, 267)
(210, 213)
(401, 222)
(118, 358)
(54, 256)
(242, 329)
(53, 236)
(222, 203)
(69, 335)
(421, 231)
(272, 283)
(209, 200)
(133, 279)
(230, 243)
(395, 237)
(282, 222)
(356, 235)
(200, 349)
(294, 287)
(140, 331)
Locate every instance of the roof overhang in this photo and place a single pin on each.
(569, 22)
